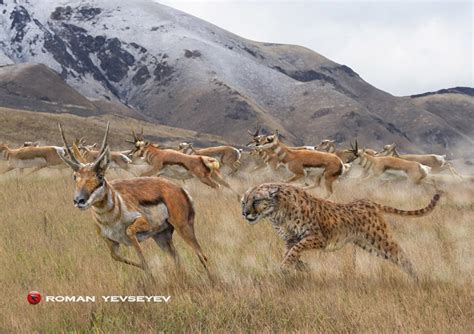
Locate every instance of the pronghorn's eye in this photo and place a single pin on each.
(100, 177)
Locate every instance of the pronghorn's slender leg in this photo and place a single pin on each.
(218, 177)
(256, 168)
(316, 183)
(451, 170)
(187, 233)
(114, 247)
(139, 225)
(165, 241)
(294, 178)
(35, 170)
(9, 168)
(114, 250)
(209, 181)
(154, 170)
(329, 180)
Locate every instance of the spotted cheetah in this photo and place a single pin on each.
(306, 222)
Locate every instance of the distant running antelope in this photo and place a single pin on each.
(32, 157)
(436, 162)
(206, 169)
(299, 162)
(415, 171)
(228, 156)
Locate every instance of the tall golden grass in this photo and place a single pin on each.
(48, 245)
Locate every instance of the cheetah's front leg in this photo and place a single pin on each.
(300, 265)
(312, 241)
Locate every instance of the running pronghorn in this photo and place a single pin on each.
(379, 164)
(31, 157)
(346, 155)
(228, 156)
(264, 157)
(206, 169)
(299, 162)
(436, 162)
(117, 159)
(127, 212)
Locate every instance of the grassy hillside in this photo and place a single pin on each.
(19, 126)
(48, 245)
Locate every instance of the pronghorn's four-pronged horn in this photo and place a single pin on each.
(71, 161)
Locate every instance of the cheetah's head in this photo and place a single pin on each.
(259, 202)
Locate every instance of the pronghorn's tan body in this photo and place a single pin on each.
(127, 212)
(206, 169)
(118, 159)
(377, 165)
(436, 162)
(300, 162)
(32, 157)
(228, 156)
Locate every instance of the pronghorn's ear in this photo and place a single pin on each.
(77, 153)
(102, 162)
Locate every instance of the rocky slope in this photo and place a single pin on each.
(178, 70)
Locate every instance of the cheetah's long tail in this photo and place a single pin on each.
(419, 212)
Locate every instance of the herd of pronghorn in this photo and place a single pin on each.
(128, 211)
(184, 162)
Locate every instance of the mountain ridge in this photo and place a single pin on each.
(178, 70)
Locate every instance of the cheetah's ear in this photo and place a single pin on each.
(273, 192)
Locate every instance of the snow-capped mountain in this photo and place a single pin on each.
(178, 70)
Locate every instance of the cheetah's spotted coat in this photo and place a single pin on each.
(306, 222)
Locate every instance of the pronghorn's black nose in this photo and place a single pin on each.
(79, 201)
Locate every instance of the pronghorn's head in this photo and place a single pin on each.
(387, 149)
(81, 144)
(259, 202)
(355, 151)
(184, 146)
(257, 138)
(30, 144)
(324, 145)
(89, 178)
(139, 145)
(268, 141)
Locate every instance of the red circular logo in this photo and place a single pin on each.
(34, 297)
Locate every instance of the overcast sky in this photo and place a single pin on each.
(401, 47)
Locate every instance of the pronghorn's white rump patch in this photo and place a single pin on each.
(425, 169)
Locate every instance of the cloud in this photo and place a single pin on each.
(403, 48)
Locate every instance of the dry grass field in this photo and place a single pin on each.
(48, 245)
